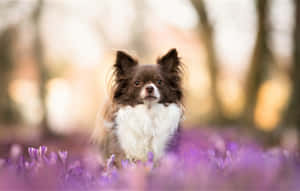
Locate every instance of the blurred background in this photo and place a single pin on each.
(242, 62)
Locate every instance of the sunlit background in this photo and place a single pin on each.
(56, 55)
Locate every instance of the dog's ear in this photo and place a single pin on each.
(170, 61)
(124, 63)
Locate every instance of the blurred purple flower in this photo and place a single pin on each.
(42, 150)
(33, 153)
(125, 163)
(110, 162)
(63, 155)
(51, 159)
(150, 156)
(15, 151)
(205, 161)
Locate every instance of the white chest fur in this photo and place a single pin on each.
(142, 129)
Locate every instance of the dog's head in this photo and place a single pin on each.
(146, 84)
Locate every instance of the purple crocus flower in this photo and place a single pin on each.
(110, 162)
(63, 155)
(206, 161)
(33, 153)
(42, 150)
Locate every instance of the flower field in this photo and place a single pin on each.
(206, 160)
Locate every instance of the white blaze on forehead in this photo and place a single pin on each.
(155, 90)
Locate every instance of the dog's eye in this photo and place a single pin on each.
(137, 83)
(159, 82)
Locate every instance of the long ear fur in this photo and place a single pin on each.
(124, 63)
(170, 64)
(170, 61)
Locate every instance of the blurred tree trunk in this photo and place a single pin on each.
(8, 110)
(261, 58)
(292, 114)
(207, 34)
(38, 51)
(138, 42)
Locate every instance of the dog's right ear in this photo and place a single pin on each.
(170, 62)
(124, 63)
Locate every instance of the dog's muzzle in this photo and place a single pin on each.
(150, 93)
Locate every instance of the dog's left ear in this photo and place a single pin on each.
(170, 61)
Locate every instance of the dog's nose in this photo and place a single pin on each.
(149, 89)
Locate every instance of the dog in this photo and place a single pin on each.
(144, 112)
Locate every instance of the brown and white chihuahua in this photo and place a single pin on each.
(145, 109)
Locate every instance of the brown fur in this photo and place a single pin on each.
(127, 71)
(166, 75)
